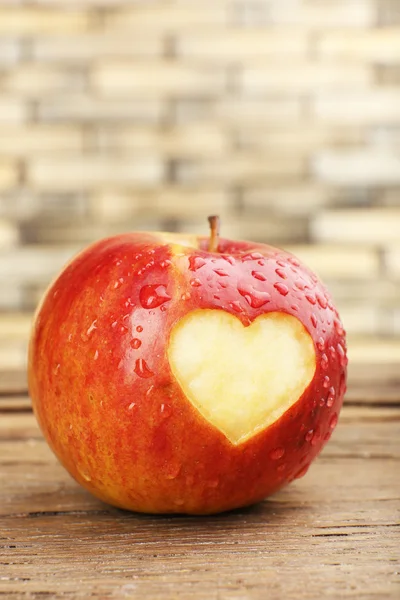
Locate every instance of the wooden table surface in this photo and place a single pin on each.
(333, 534)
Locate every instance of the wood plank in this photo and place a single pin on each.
(334, 533)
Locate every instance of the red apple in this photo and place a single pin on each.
(173, 373)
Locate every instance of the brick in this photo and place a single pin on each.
(19, 205)
(86, 172)
(388, 12)
(9, 236)
(35, 20)
(389, 197)
(327, 14)
(90, 47)
(15, 326)
(81, 108)
(304, 77)
(10, 52)
(259, 112)
(38, 80)
(302, 138)
(362, 319)
(33, 264)
(8, 175)
(223, 45)
(241, 169)
(12, 356)
(339, 261)
(296, 199)
(358, 167)
(33, 140)
(376, 351)
(376, 45)
(230, 110)
(368, 226)
(11, 297)
(167, 18)
(83, 232)
(195, 140)
(167, 203)
(377, 106)
(274, 230)
(392, 261)
(380, 292)
(12, 110)
(155, 78)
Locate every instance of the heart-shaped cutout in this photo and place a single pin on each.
(241, 379)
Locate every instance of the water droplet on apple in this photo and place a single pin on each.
(132, 406)
(313, 320)
(139, 329)
(258, 275)
(151, 296)
(252, 256)
(338, 327)
(326, 382)
(316, 437)
(342, 385)
(91, 328)
(322, 301)
(196, 262)
(123, 330)
(342, 355)
(299, 283)
(195, 282)
(56, 369)
(277, 453)
(332, 352)
(324, 362)
(311, 299)
(321, 344)
(221, 272)
(302, 471)
(322, 402)
(294, 307)
(293, 261)
(331, 397)
(186, 296)
(309, 435)
(172, 470)
(96, 355)
(333, 421)
(142, 370)
(253, 297)
(229, 259)
(135, 343)
(213, 483)
(85, 475)
(281, 273)
(281, 288)
(237, 307)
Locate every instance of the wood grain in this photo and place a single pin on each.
(335, 533)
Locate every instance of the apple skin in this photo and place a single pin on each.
(107, 401)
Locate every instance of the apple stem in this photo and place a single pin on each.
(214, 222)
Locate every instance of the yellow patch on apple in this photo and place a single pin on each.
(241, 379)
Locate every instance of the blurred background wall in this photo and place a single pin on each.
(282, 116)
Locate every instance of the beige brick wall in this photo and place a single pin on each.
(283, 116)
